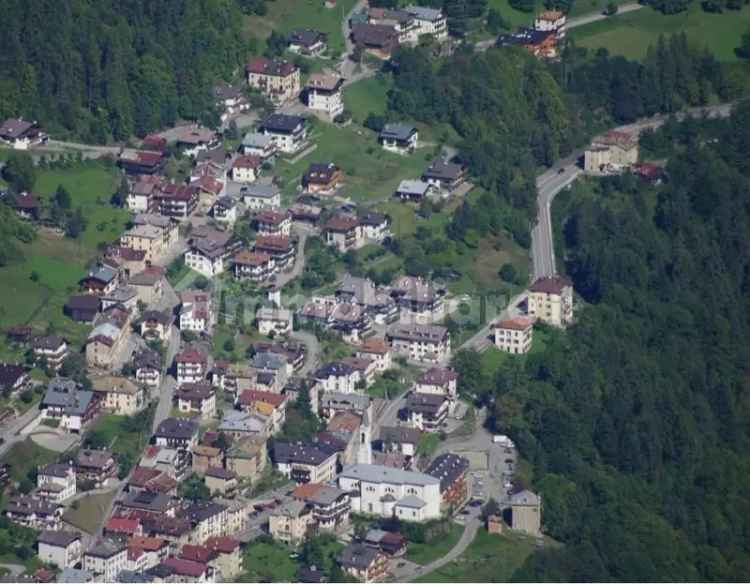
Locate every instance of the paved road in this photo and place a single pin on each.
(312, 353)
(10, 434)
(572, 23)
(88, 150)
(302, 232)
(14, 569)
(168, 383)
(565, 172)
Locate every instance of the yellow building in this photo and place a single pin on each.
(526, 513)
(276, 79)
(551, 300)
(120, 396)
(514, 335)
(290, 522)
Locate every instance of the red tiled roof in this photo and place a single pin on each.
(341, 223)
(550, 285)
(122, 525)
(273, 242)
(142, 475)
(263, 66)
(191, 355)
(247, 161)
(250, 396)
(149, 544)
(249, 258)
(223, 545)
(519, 323)
(197, 553)
(274, 217)
(374, 346)
(186, 567)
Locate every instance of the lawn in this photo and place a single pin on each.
(631, 34)
(88, 512)
(124, 435)
(370, 173)
(268, 562)
(367, 96)
(514, 17)
(424, 553)
(25, 456)
(489, 558)
(91, 186)
(286, 15)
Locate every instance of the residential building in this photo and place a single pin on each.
(64, 401)
(209, 251)
(27, 206)
(34, 512)
(350, 320)
(220, 481)
(385, 491)
(253, 266)
(391, 544)
(105, 560)
(260, 145)
(541, 44)
(431, 21)
(551, 20)
(141, 196)
(400, 439)
(427, 412)
(274, 321)
(205, 456)
(180, 433)
(365, 563)
(375, 226)
(551, 300)
(291, 522)
(95, 466)
(308, 42)
(224, 210)
(247, 458)
(167, 226)
(141, 503)
(108, 339)
(195, 311)
(192, 365)
(451, 470)
(21, 134)
(323, 93)
(614, 149)
(196, 398)
(526, 512)
(75, 576)
(413, 190)
(100, 280)
(276, 79)
(514, 335)
(400, 20)
(121, 297)
(337, 377)
(344, 232)
(378, 40)
(418, 300)
(332, 402)
(274, 223)
(177, 201)
(322, 178)
(256, 196)
(444, 176)
(375, 302)
(302, 213)
(56, 482)
(439, 381)
(13, 378)
(330, 506)
(50, 351)
(365, 367)
(399, 138)
(128, 261)
(192, 139)
(119, 395)
(423, 343)
(82, 308)
(146, 238)
(155, 325)
(280, 248)
(228, 561)
(289, 133)
(230, 100)
(138, 162)
(376, 350)
(241, 425)
(147, 364)
(61, 548)
(304, 463)
(146, 552)
(208, 519)
(246, 168)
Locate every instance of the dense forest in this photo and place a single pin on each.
(103, 69)
(515, 114)
(635, 419)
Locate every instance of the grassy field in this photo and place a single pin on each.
(367, 96)
(514, 17)
(424, 553)
(371, 173)
(121, 435)
(91, 187)
(489, 558)
(631, 34)
(268, 562)
(27, 455)
(88, 512)
(286, 15)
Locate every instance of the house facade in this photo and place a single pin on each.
(514, 335)
(551, 300)
(277, 79)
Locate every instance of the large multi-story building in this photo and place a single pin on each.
(551, 300)
(514, 335)
(276, 79)
(324, 93)
(387, 492)
(423, 343)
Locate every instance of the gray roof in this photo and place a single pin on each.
(256, 140)
(179, 428)
(400, 434)
(375, 473)
(259, 191)
(334, 369)
(58, 538)
(62, 393)
(525, 497)
(148, 501)
(349, 401)
(293, 509)
(411, 501)
(75, 576)
(448, 467)
(357, 555)
(201, 510)
(325, 495)
(235, 421)
(103, 273)
(288, 452)
(269, 360)
(105, 549)
(397, 131)
(424, 13)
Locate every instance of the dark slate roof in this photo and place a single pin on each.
(288, 452)
(447, 467)
(397, 131)
(281, 123)
(357, 555)
(400, 434)
(178, 428)
(58, 538)
(334, 369)
(305, 37)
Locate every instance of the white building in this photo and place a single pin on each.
(257, 144)
(337, 377)
(56, 482)
(424, 343)
(106, 560)
(274, 320)
(246, 168)
(289, 133)
(430, 21)
(551, 300)
(514, 335)
(195, 311)
(386, 492)
(551, 20)
(62, 548)
(324, 93)
(257, 197)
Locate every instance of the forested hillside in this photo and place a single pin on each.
(104, 69)
(635, 419)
